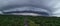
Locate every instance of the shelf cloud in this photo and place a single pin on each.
(44, 7)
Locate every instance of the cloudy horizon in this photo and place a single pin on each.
(52, 7)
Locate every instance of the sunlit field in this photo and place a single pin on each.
(18, 20)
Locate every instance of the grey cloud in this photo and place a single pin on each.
(43, 4)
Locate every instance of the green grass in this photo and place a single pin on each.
(15, 20)
(9, 20)
(46, 21)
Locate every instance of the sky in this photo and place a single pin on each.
(50, 6)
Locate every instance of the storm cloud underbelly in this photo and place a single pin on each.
(27, 11)
(39, 13)
(33, 6)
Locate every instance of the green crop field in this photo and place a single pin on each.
(16, 20)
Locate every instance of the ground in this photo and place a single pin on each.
(17, 20)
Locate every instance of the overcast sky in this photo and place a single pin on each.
(14, 5)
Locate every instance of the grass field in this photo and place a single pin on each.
(6, 20)
(14, 20)
(45, 21)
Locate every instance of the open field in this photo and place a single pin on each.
(11, 20)
(16, 20)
